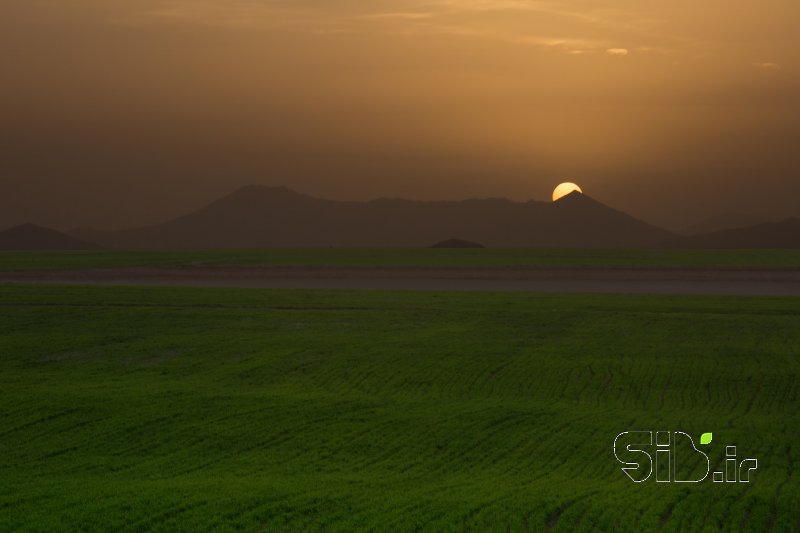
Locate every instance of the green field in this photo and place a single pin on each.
(15, 261)
(194, 409)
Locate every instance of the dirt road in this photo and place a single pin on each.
(539, 279)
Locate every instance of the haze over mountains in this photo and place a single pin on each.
(273, 217)
(783, 234)
(726, 221)
(263, 217)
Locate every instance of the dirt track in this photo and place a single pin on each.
(577, 279)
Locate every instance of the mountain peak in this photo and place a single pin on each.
(574, 197)
(257, 196)
(578, 202)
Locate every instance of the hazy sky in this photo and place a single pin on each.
(120, 112)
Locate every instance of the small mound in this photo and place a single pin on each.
(33, 237)
(457, 243)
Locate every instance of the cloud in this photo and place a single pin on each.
(557, 24)
(768, 66)
(565, 43)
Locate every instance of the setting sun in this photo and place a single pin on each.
(564, 189)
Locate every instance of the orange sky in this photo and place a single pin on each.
(120, 112)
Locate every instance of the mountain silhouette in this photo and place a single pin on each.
(273, 217)
(783, 234)
(33, 237)
(725, 222)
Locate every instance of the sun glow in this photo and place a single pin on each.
(564, 189)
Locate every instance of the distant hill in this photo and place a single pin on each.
(783, 234)
(264, 217)
(33, 237)
(457, 243)
(725, 222)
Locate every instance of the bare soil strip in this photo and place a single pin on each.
(766, 282)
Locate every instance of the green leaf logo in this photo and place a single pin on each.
(705, 438)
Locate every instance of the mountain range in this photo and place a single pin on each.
(726, 221)
(276, 217)
(783, 234)
(267, 217)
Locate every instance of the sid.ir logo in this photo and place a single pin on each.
(674, 458)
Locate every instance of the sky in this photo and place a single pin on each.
(116, 113)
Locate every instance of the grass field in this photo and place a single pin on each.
(194, 409)
(15, 261)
